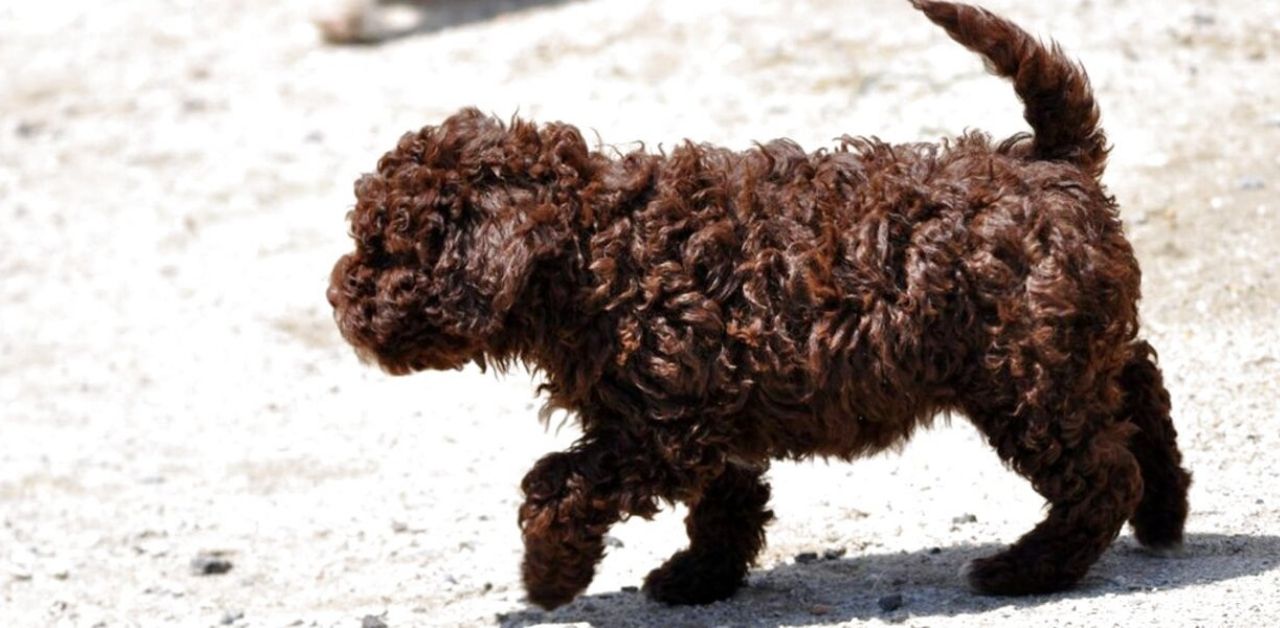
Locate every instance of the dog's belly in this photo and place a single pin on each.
(832, 424)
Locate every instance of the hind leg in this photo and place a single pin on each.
(1159, 519)
(726, 532)
(1082, 465)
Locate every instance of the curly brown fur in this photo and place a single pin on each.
(704, 311)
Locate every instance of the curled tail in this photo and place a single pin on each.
(1055, 91)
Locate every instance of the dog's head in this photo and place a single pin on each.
(448, 232)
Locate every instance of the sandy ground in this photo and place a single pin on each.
(173, 180)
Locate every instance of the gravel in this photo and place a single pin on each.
(211, 563)
(890, 603)
(805, 558)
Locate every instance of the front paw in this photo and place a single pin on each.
(548, 591)
(556, 570)
(695, 578)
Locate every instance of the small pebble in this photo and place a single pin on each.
(372, 621)
(1251, 183)
(612, 541)
(935, 550)
(965, 518)
(833, 554)
(1203, 19)
(805, 558)
(630, 589)
(210, 563)
(890, 603)
(232, 616)
(27, 129)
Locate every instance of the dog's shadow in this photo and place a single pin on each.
(927, 581)
(430, 16)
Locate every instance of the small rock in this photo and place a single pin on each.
(890, 603)
(211, 563)
(232, 616)
(630, 589)
(833, 554)
(372, 621)
(935, 551)
(1251, 183)
(399, 527)
(27, 129)
(804, 558)
(965, 518)
(1203, 19)
(612, 541)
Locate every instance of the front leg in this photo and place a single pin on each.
(571, 500)
(726, 532)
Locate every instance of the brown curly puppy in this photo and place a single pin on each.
(705, 311)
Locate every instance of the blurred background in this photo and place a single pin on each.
(174, 177)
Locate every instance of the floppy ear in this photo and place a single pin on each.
(504, 254)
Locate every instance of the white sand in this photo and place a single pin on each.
(173, 180)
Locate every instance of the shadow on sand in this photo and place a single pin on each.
(430, 16)
(927, 580)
